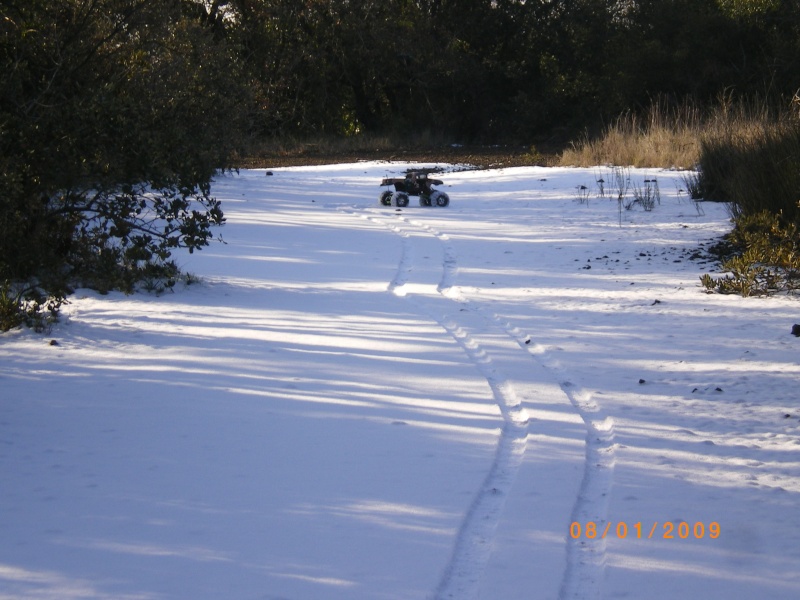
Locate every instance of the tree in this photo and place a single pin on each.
(114, 116)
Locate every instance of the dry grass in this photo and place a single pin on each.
(755, 168)
(665, 136)
(675, 136)
(747, 151)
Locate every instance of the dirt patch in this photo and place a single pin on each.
(480, 157)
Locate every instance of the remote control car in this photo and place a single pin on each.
(415, 183)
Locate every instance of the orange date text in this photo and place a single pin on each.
(666, 530)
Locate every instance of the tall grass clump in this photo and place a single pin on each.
(750, 158)
(666, 134)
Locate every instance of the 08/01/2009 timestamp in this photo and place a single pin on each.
(667, 530)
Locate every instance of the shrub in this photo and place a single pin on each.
(766, 258)
(114, 117)
(27, 306)
(755, 169)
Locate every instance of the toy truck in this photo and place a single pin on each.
(415, 183)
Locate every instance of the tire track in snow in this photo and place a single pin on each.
(473, 546)
(586, 558)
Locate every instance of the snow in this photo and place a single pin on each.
(361, 402)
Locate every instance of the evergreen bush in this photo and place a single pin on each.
(765, 260)
(114, 117)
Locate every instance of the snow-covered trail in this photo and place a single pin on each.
(361, 403)
(468, 323)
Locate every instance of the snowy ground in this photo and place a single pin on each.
(360, 402)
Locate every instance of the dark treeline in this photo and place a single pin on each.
(493, 70)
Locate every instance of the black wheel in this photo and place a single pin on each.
(400, 199)
(442, 199)
(386, 198)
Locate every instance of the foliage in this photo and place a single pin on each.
(114, 116)
(27, 305)
(754, 164)
(748, 8)
(766, 258)
(500, 70)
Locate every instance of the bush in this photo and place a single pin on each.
(751, 159)
(766, 258)
(27, 306)
(755, 168)
(114, 117)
